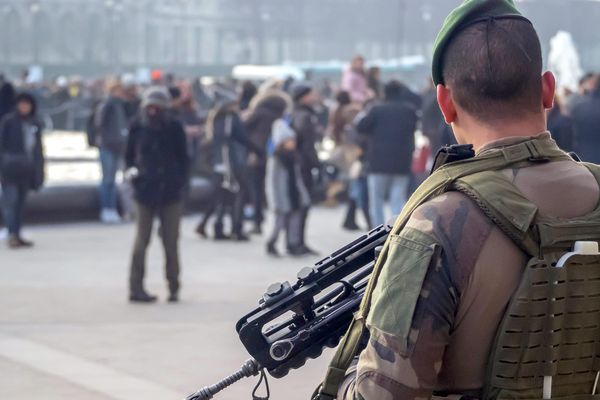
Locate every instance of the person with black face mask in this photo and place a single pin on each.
(21, 164)
(157, 163)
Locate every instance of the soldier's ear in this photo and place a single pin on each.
(548, 90)
(446, 103)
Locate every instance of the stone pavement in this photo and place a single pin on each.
(67, 331)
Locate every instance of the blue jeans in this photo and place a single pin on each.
(13, 206)
(359, 191)
(383, 187)
(109, 162)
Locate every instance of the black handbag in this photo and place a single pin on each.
(16, 168)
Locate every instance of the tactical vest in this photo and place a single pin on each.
(548, 343)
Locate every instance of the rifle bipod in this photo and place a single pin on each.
(250, 368)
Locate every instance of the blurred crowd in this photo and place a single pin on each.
(278, 146)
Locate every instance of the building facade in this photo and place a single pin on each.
(208, 36)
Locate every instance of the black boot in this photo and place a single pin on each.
(173, 292)
(350, 221)
(140, 296)
(368, 217)
(219, 234)
(272, 250)
(201, 230)
(240, 237)
(173, 297)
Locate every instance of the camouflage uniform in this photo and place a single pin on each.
(473, 270)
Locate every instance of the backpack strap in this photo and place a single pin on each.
(442, 180)
(512, 212)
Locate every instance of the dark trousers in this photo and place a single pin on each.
(309, 182)
(13, 206)
(223, 204)
(229, 202)
(301, 229)
(239, 202)
(258, 175)
(170, 217)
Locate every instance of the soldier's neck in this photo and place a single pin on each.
(478, 134)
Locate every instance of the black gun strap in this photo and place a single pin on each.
(263, 378)
(439, 182)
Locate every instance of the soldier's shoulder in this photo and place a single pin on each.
(450, 214)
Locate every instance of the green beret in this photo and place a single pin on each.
(469, 13)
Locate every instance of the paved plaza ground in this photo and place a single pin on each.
(67, 331)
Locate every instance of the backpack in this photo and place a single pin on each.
(548, 343)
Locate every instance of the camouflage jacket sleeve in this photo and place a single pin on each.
(412, 312)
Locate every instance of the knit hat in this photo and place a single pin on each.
(156, 96)
(467, 14)
(300, 90)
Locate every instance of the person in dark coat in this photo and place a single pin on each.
(309, 132)
(391, 130)
(21, 164)
(432, 120)
(586, 118)
(157, 163)
(229, 148)
(561, 127)
(586, 86)
(265, 109)
(186, 111)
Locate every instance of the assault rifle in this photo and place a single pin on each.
(296, 322)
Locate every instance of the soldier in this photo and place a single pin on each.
(450, 272)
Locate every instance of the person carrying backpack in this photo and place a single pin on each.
(489, 284)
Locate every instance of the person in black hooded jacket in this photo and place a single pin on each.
(157, 162)
(21, 164)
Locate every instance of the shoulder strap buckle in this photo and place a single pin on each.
(535, 154)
